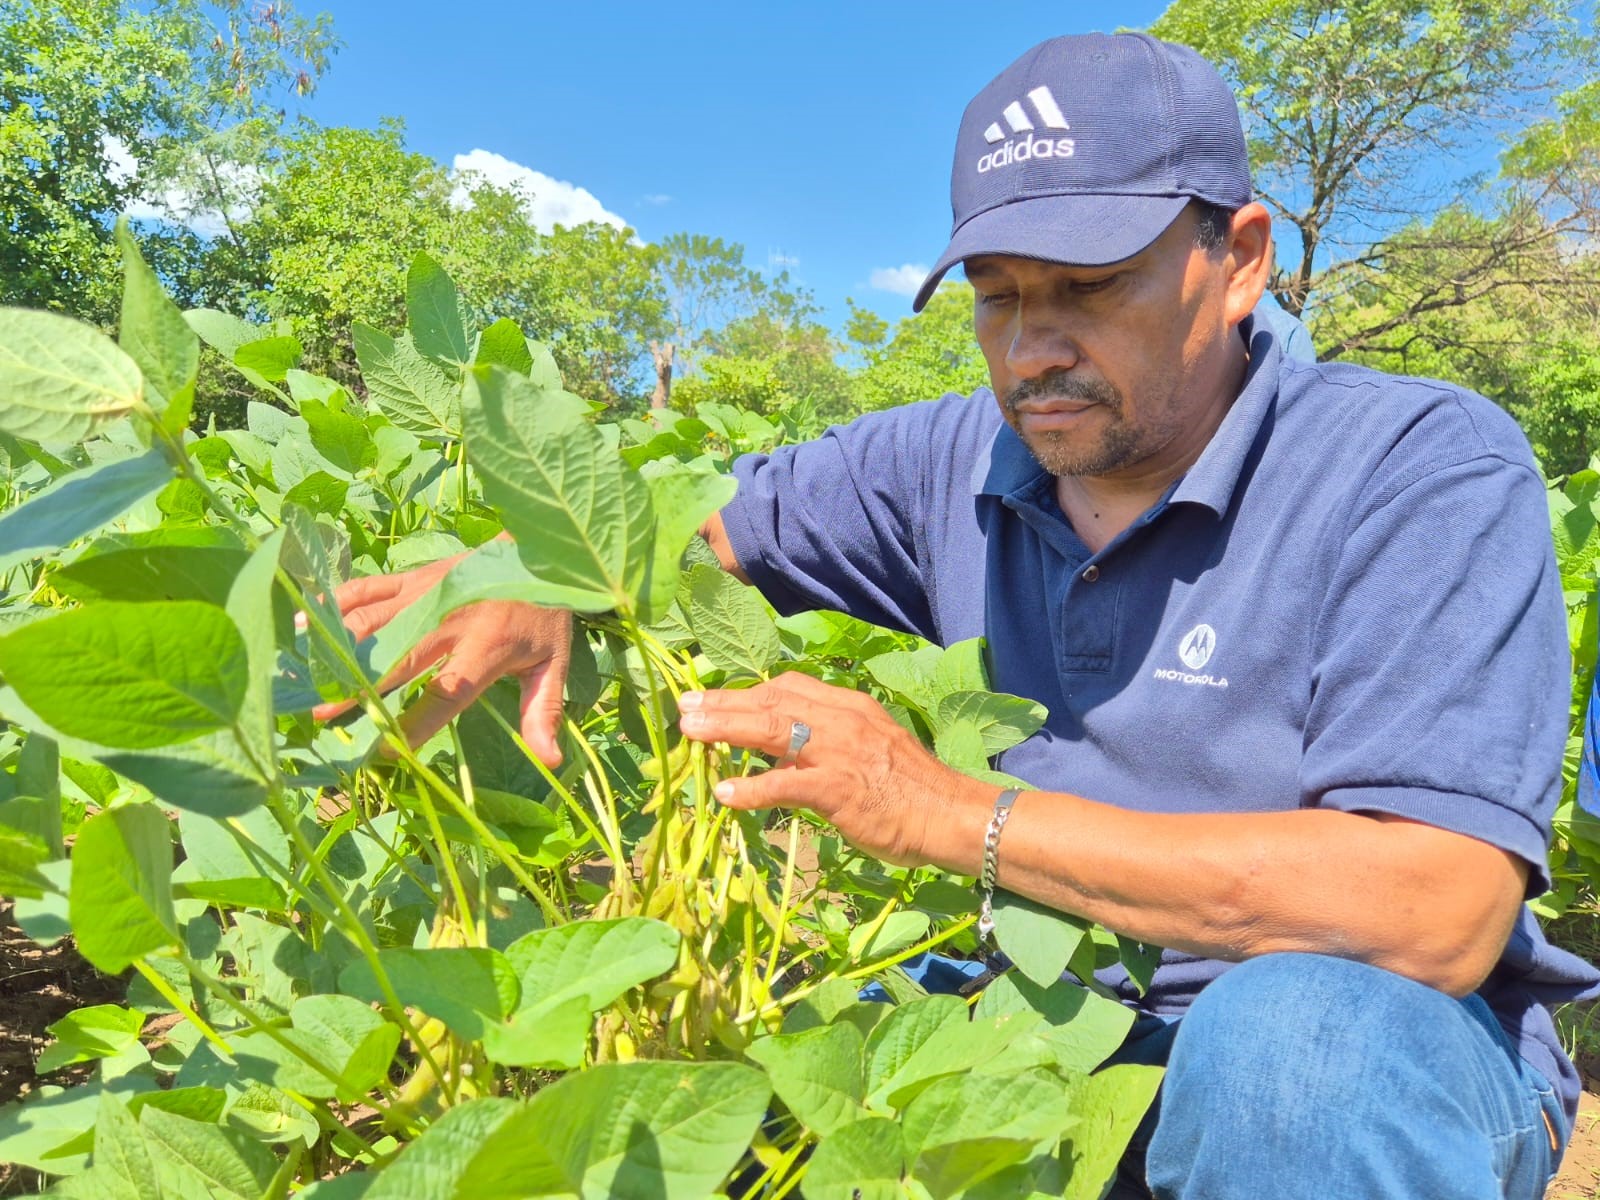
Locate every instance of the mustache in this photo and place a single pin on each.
(1062, 384)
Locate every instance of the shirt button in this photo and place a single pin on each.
(1091, 573)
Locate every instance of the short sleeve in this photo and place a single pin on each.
(836, 523)
(1440, 674)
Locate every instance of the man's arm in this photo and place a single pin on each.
(475, 646)
(1424, 902)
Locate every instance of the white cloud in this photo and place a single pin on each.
(548, 202)
(240, 185)
(779, 261)
(902, 280)
(655, 199)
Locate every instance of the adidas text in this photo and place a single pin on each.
(1027, 148)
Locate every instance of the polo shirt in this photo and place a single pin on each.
(1349, 601)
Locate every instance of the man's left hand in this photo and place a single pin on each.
(860, 769)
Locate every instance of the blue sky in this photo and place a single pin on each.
(816, 135)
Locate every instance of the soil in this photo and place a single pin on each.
(40, 985)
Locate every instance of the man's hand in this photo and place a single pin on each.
(860, 769)
(474, 646)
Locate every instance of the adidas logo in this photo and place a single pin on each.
(1049, 112)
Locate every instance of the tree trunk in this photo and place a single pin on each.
(661, 355)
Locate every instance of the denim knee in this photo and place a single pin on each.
(1307, 1075)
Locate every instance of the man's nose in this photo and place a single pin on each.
(1041, 341)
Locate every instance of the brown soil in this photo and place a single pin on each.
(39, 986)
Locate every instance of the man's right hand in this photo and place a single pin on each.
(474, 646)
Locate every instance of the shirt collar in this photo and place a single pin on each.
(1005, 467)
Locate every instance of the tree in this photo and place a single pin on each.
(102, 104)
(599, 303)
(706, 285)
(780, 360)
(1364, 115)
(930, 353)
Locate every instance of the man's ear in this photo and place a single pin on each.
(1249, 261)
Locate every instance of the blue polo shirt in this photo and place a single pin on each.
(1349, 601)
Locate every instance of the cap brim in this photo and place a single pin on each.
(1075, 230)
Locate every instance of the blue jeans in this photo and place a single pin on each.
(1304, 1077)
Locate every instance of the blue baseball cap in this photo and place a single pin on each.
(1086, 148)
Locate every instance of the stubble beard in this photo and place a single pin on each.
(1059, 453)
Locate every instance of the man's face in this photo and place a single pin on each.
(1107, 371)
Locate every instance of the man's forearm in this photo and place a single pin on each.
(716, 534)
(1423, 902)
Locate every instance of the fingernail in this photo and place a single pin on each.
(690, 700)
(723, 791)
(691, 720)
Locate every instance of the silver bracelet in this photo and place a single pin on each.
(991, 861)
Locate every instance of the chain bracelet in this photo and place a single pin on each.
(991, 861)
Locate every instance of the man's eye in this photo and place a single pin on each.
(1095, 285)
(995, 299)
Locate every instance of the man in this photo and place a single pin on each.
(1298, 629)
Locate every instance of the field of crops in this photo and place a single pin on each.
(362, 969)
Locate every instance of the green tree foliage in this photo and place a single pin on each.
(106, 102)
(596, 300)
(1344, 100)
(929, 354)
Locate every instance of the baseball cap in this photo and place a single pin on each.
(1086, 148)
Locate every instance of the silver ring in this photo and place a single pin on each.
(799, 735)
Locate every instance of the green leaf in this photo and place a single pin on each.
(904, 1061)
(1139, 960)
(964, 1128)
(581, 518)
(862, 1161)
(60, 380)
(122, 1157)
(1002, 720)
(1081, 1028)
(77, 505)
(131, 676)
(22, 852)
(269, 358)
(198, 1158)
(411, 391)
(909, 674)
(340, 437)
(153, 573)
(732, 623)
(468, 988)
(84, 1034)
(1040, 940)
(658, 1129)
(503, 344)
(249, 605)
(156, 337)
(121, 894)
(904, 1031)
(1108, 1106)
(218, 869)
(223, 332)
(682, 502)
(355, 1044)
(899, 930)
(569, 973)
(433, 312)
(306, 388)
(819, 1074)
(960, 669)
(270, 1116)
(319, 492)
(595, 960)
